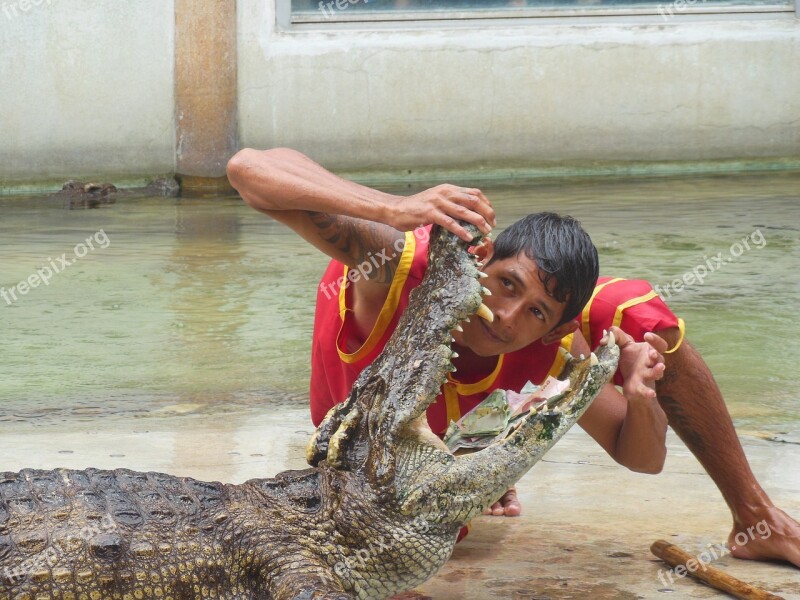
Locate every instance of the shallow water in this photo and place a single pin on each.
(205, 306)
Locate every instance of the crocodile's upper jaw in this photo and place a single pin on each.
(360, 434)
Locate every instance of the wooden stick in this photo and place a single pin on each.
(676, 557)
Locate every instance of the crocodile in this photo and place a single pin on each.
(377, 513)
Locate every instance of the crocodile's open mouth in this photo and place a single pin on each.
(503, 412)
(387, 404)
(573, 401)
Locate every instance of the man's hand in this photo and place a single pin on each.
(507, 506)
(444, 205)
(641, 364)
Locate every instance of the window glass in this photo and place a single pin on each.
(352, 9)
(330, 10)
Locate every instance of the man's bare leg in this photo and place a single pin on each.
(697, 412)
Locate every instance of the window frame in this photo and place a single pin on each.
(287, 21)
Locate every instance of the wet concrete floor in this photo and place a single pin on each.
(586, 527)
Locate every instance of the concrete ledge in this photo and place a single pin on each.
(525, 174)
(211, 186)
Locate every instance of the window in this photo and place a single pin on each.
(338, 11)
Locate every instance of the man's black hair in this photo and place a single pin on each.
(563, 251)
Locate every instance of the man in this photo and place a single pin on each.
(353, 224)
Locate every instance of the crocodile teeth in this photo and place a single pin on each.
(484, 313)
(454, 355)
(611, 342)
(482, 275)
(459, 328)
(608, 339)
(485, 291)
(593, 360)
(466, 319)
(479, 264)
(582, 356)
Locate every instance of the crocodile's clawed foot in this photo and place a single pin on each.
(339, 440)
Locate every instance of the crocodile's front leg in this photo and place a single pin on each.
(317, 449)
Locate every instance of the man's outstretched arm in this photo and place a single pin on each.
(632, 427)
(350, 222)
(342, 218)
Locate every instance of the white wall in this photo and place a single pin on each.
(521, 95)
(88, 91)
(87, 88)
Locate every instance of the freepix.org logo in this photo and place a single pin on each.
(43, 275)
(711, 264)
(374, 261)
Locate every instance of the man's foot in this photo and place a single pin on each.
(507, 506)
(769, 535)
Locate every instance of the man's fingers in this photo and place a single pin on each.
(655, 357)
(446, 205)
(467, 204)
(452, 226)
(492, 510)
(508, 505)
(450, 220)
(486, 207)
(657, 342)
(649, 393)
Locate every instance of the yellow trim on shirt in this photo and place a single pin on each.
(632, 302)
(587, 310)
(561, 356)
(682, 329)
(467, 389)
(451, 402)
(452, 389)
(389, 305)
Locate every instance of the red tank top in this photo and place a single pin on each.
(630, 304)
(334, 370)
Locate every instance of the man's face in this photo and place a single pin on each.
(523, 309)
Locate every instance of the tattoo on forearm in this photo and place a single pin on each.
(362, 241)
